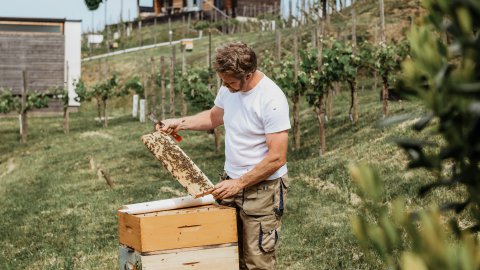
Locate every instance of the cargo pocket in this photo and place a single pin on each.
(258, 199)
(268, 234)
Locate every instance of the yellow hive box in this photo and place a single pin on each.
(179, 228)
(224, 257)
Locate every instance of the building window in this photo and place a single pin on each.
(30, 28)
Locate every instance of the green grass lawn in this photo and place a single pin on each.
(58, 214)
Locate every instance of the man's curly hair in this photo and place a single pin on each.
(235, 59)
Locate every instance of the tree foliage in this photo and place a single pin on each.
(60, 93)
(443, 73)
(93, 4)
(285, 77)
(335, 60)
(134, 84)
(109, 88)
(388, 59)
(197, 86)
(10, 102)
(82, 92)
(7, 101)
(101, 92)
(316, 81)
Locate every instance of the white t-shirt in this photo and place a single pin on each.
(248, 116)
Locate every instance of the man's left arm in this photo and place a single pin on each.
(276, 157)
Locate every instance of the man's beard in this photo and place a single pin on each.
(242, 84)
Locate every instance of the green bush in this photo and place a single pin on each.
(443, 73)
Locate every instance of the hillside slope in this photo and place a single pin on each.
(398, 16)
(58, 214)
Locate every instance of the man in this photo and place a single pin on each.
(255, 113)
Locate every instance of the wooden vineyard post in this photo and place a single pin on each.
(23, 113)
(153, 99)
(296, 98)
(382, 22)
(105, 114)
(375, 76)
(330, 11)
(170, 32)
(382, 40)
(290, 13)
(328, 90)
(172, 85)
(183, 26)
(142, 110)
(209, 50)
(314, 38)
(329, 105)
(320, 111)
(385, 99)
(66, 120)
(146, 93)
(99, 78)
(144, 101)
(184, 72)
(278, 47)
(105, 68)
(107, 43)
(336, 87)
(66, 113)
(99, 70)
(170, 27)
(354, 106)
(353, 85)
(302, 9)
(162, 86)
(217, 131)
(320, 108)
(155, 27)
(139, 29)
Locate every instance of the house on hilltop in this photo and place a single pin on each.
(231, 7)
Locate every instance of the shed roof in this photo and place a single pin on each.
(20, 19)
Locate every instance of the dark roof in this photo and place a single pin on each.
(37, 19)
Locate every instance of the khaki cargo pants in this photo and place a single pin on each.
(259, 211)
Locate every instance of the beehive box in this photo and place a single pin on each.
(179, 228)
(223, 257)
(207, 7)
(188, 44)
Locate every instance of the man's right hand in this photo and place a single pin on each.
(170, 126)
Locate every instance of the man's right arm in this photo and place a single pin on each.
(205, 120)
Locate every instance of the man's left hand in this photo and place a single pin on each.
(227, 189)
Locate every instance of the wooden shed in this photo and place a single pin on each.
(48, 49)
